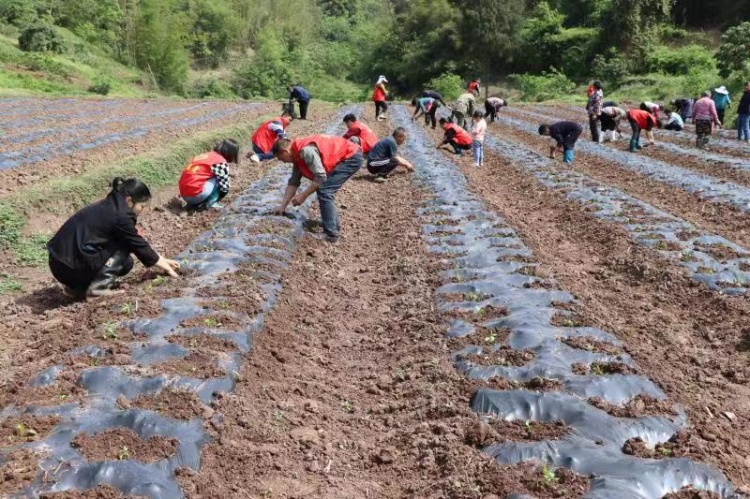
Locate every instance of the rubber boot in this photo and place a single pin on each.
(568, 156)
(118, 265)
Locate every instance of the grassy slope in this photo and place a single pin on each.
(23, 73)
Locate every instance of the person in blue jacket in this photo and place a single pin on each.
(302, 96)
(722, 100)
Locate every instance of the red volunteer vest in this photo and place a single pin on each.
(462, 137)
(366, 136)
(265, 138)
(197, 172)
(333, 150)
(378, 95)
(473, 86)
(641, 118)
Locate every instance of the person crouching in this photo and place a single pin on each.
(205, 180)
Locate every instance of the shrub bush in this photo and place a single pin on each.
(681, 60)
(450, 85)
(548, 85)
(41, 37)
(611, 70)
(100, 87)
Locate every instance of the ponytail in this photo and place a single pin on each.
(132, 188)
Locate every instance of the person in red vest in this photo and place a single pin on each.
(455, 136)
(379, 96)
(205, 180)
(267, 134)
(473, 86)
(641, 120)
(359, 133)
(327, 162)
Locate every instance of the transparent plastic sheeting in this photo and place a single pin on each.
(487, 259)
(25, 155)
(238, 237)
(716, 138)
(703, 186)
(708, 156)
(676, 239)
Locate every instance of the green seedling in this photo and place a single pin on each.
(491, 338)
(665, 451)
(706, 270)
(24, 431)
(529, 426)
(399, 375)
(548, 476)
(63, 396)
(597, 369)
(347, 406)
(211, 322)
(124, 453)
(110, 331)
(129, 308)
(222, 304)
(472, 296)
(158, 280)
(590, 347)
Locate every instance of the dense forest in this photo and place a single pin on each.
(254, 48)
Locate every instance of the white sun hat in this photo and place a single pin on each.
(722, 90)
(382, 79)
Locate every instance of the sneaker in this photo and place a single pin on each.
(476, 165)
(378, 179)
(255, 158)
(216, 206)
(322, 236)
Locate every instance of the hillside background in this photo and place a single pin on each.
(532, 50)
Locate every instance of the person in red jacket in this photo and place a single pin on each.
(359, 133)
(641, 120)
(205, 180)
(327, 162)
(379, 96)
(266, 136)
(455, 136)
(473, 86)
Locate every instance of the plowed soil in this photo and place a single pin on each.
(350, 391)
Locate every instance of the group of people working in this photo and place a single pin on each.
(93, 249)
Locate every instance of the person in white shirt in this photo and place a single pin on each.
(674, 122)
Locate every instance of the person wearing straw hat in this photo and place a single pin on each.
(379, 95)
(722, 101)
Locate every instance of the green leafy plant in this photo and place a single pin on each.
(110, 331)
(128, 308)
(548, 475)
(123, 453)
(491, 338)
(211, 322)
(597, 369)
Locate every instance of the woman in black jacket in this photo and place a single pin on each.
(92, 249)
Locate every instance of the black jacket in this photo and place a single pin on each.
(744, 103)
(90, 237)
(433, 95)
(565, 132)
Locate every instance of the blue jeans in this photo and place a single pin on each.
(568, 156)
(210, 194)
(326, 192)
(635, 137)
(478, 147)
(743, 127)
(264, 156)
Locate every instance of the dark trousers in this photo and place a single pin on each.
(490, 111)
(381, 167)
(594, 127)
(608, 123)
(673, 126)
(326, 192)
(303, 109)
(635, 138)
(380, 107)
(79, 280)
(432, 115)
(721, 112)
(457, 148)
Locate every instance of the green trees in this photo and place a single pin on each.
(733, 56)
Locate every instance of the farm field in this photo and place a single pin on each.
(525, 327)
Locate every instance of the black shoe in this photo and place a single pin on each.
(322, 236)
